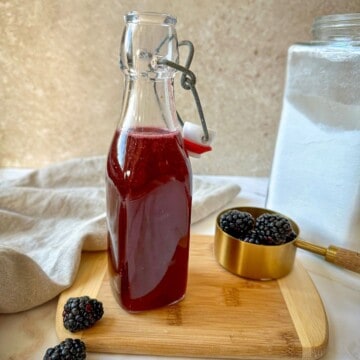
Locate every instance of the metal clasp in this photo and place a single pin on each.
(188, 81)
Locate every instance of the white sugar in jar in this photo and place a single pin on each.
(315, 177)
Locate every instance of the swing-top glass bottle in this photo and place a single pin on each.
(148, 175)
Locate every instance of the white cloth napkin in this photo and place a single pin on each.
(48, 216)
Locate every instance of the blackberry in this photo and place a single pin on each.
(236, 223)
(291, 236)
(69, 349)
(272, 229)
(252, 237)
(81, 313)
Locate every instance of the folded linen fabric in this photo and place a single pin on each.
(49, 216)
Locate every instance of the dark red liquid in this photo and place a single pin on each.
(148, 187)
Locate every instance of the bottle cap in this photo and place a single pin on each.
(194, 139)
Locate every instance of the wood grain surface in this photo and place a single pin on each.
(222, 315)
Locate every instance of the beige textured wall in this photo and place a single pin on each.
(60, 85)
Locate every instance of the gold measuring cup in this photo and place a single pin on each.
(266, 262)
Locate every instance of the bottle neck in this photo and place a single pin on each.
(149, 103)
(149, 93)
(341, 27)
(148, 37)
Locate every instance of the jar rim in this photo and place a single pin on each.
(350, 19)
(337, 27)
(149, 17)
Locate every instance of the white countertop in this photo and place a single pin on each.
(28, 334)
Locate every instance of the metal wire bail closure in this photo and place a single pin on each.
(188, 81)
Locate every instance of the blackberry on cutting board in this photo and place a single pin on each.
(69, 349)
(81, 313)
(236, 223)
(273, 229)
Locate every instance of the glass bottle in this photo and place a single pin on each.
(315, 174)
(148, 176)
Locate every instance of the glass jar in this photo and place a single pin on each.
(148, 177)
(315, 177)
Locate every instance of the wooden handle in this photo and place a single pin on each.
(347, 259)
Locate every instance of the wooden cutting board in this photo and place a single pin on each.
(222, 315)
